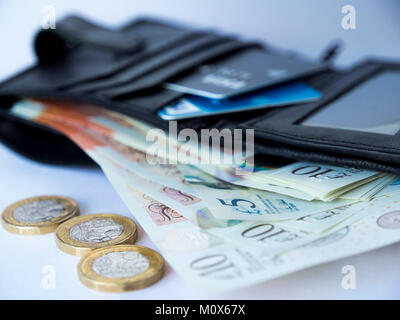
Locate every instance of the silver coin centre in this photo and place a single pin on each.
(120, 264)
(96, 230)
(39, 211)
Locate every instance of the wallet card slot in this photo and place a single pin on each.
(174, 69)
(156, 62)
(119, 71)
(151, 101)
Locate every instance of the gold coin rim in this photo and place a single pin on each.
(37, 228)
(94, 281)
(69, 245)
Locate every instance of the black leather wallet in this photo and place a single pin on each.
(124, 70)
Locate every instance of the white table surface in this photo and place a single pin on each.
(307, 26)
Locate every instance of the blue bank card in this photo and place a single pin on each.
(191, 106)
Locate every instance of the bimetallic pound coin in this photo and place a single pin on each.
(80, 235)
(38, 215)
(121, 268)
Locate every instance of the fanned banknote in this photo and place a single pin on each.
(365, 192)
(302, 180)
(208, 262)
(230, 202)
(324, 182)
(307, 181)
(210, 231)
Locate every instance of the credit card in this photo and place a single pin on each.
(192, 106)
(245, 71)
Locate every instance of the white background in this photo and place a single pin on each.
(305, 26)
